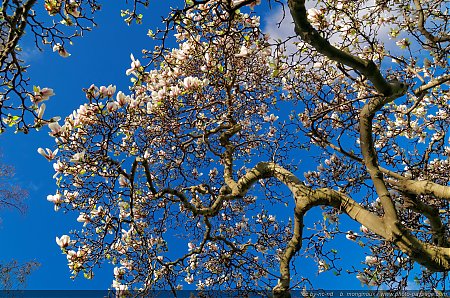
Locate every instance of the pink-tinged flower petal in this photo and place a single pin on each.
(63, 242)
(54, 198)
(84, 218)
(123, 181)
(61, 50)
(314, 16)
(244, 52)
(362, 278)
(364, 229)
(351, 236)
(39, 95)
(107, 91)
(135, 64)
(47, 92)
(122, 99)
(254, 3)
(41, 111)
(55, 128)
(370, 260)
(78, 157)
(48, 154)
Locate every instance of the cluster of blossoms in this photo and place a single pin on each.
(129, 163)
(76, 258)
(69, 8)
(68, 19)
(38, 108)
(118, 157)
(41, 95)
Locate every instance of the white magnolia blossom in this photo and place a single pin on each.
(366, 280)
(315, 16)
(243, 52)
(55, 128)
(41, 111)
(78, 157)
(107, 91)
(351, 235)
(135, 65)
(83, 218)
(48, 153)
(63, 242)
(371, 260)
(39, 95)
(61, 50)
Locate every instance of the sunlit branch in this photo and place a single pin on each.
(228, 155)
(388, 90)
(309, 34)
(433, 83)
(421, 187)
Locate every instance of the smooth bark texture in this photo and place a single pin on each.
(421, 24)
(434, 257)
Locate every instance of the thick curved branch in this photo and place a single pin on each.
(389, 91)
(310, 35)
(421, 24)
(433, 257)
(433, 83)
(371, 160)
(294, 245)
(18, 22)
(306, 198)
(423, 187)
(228, 155)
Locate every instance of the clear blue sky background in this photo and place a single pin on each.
(101, 57)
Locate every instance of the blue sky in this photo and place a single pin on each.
(101, 57)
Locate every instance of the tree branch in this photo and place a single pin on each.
(433, 257)
(436, 82)
(310, 35)
(422, 187)
(421, 24)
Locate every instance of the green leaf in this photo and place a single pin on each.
(88, 275)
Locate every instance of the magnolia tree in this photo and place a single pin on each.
(195, 176)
